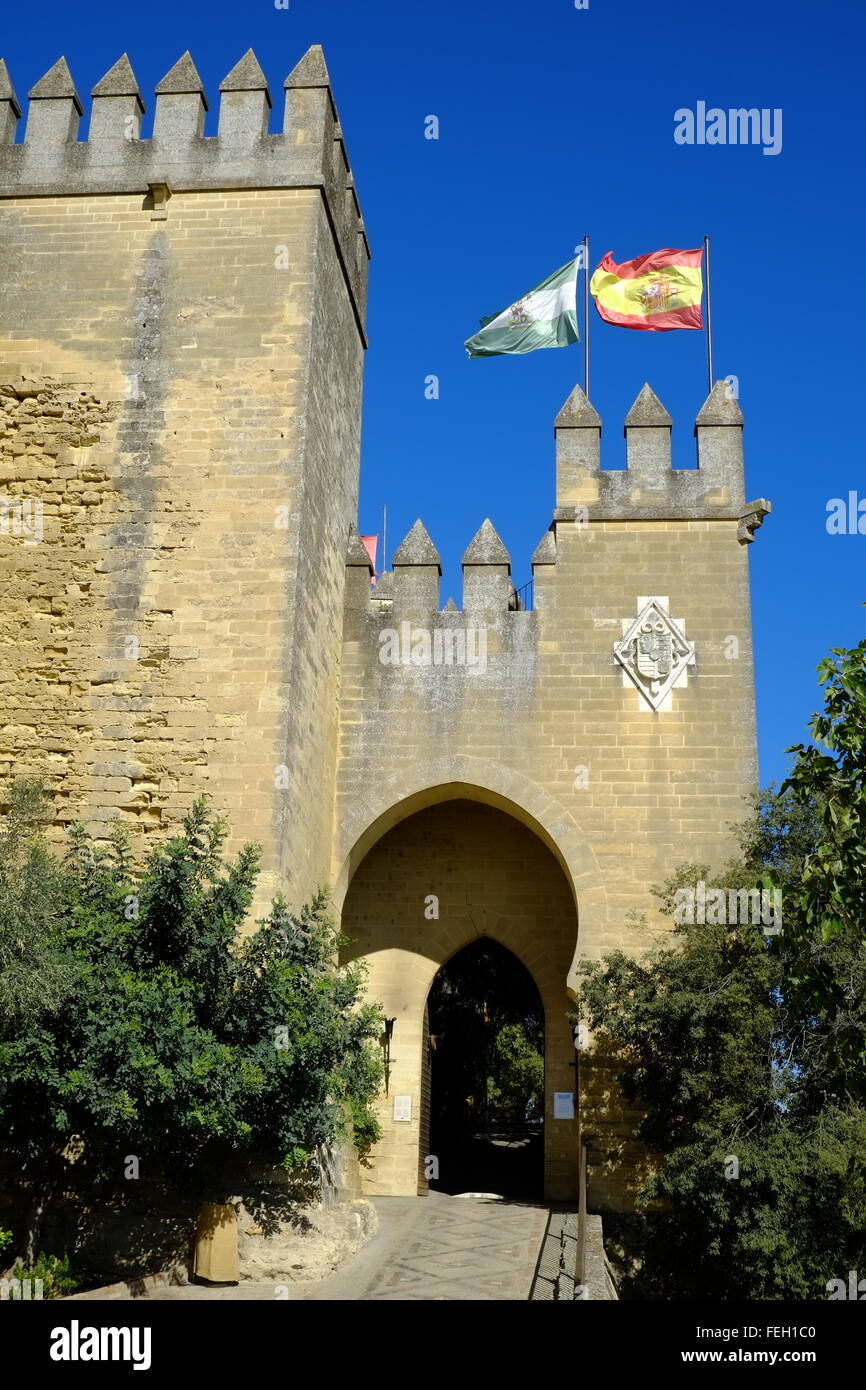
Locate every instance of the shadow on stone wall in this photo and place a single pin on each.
(618, 1162)
(126, 1230)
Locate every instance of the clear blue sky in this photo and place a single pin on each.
(556, 122)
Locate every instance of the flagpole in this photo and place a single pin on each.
(709, 318)
(586, 316)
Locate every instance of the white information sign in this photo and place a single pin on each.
(402, 1107)
(563, 1105)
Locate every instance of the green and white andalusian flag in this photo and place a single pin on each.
(545, 317)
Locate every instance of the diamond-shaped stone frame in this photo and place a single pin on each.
(683, 652)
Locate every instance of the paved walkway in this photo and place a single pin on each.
(444, 1248)
(425, 1249)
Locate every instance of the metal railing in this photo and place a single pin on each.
(580, 1263)
(522, 598)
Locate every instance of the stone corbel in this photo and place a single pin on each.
(751, 518)
(159, 195)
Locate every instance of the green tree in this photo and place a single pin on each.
(515, 1086)
(830, 775)
(34, 977)
(181, 1040)
(747, 1052)
(759, 1162)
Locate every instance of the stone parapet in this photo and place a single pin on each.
(649, 487)
(309, 151)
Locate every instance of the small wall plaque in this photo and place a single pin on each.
(402, 1108)
(563, 1105)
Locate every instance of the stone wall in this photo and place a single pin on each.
(181, 392)
(549, 727)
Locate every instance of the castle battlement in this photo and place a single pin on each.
(411, 588)
(648, 489)
(52, 160)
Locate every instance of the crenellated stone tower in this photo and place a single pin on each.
(182, 340)
(607, 735)
(189, 607)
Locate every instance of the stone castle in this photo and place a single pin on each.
(188, 605)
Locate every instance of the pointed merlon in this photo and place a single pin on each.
(246, 76)
(310, 71)
(356, 551)
(7, 91)
(647, 410)
(56, 85)
(545, 552)
(119, 81)
(384, 590)
(450, 607)
(720, 407)
(486, 548)
(417, 549)
(182, 79)
(578, 411)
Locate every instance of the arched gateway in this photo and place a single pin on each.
(445, 876)
(504, 770)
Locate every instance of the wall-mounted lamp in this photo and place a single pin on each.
(386, 1048)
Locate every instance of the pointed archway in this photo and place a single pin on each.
(485, 1024)
(447, 875)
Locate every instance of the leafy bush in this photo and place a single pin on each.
(182, 1041)
(366, 1130)
(751, 1047)
(55, 1271)
(515, 1087)
(34, 978)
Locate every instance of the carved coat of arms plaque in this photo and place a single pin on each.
(654, 652)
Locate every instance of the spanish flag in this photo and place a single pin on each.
(656, 292)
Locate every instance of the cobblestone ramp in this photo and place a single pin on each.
(467, 1249)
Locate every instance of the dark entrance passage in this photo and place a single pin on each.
(486, 1058)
